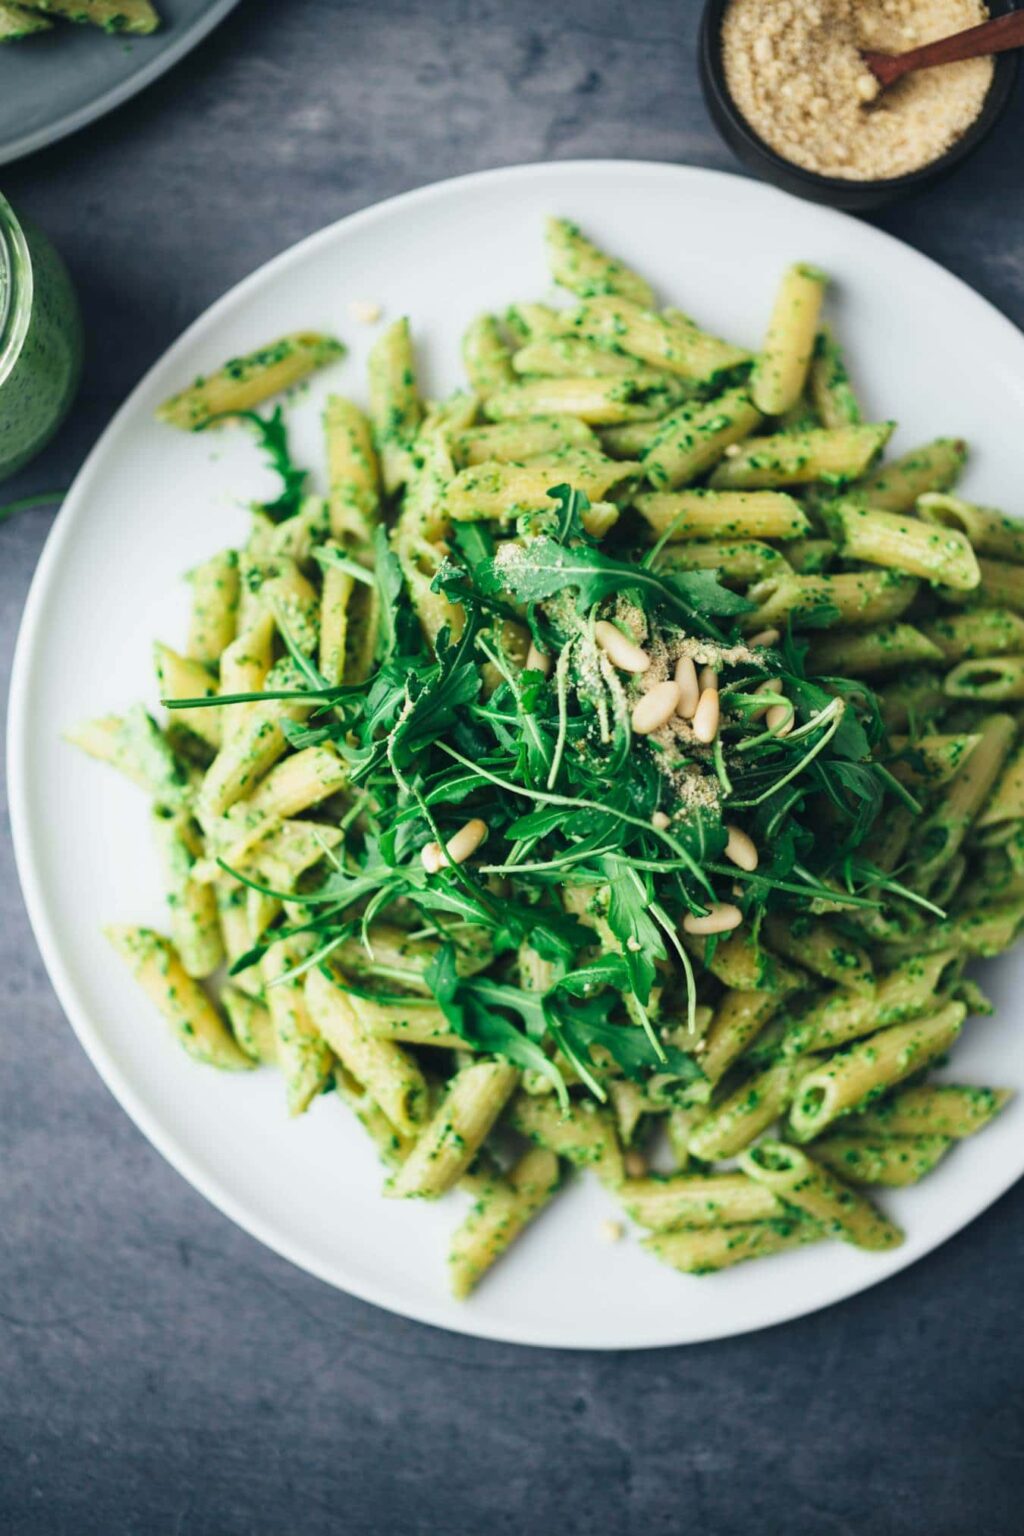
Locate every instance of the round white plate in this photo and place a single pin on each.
(150, 503)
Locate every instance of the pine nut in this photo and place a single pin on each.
(459, 848)
(661, 821)
(721, 917)
(740, 848)
(765, 637)
(635, 1164)
(465, 842)
(537, 661)
(432, 856)
(655, 709)
(364, 311)
(780, 719)
(611, 1231)
(621, 652)
(689, 688)
(771, 685)
(705, 720)
(708, 679)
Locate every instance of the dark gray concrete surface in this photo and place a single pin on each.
(160, 1372)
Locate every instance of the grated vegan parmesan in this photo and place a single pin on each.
(794, 70)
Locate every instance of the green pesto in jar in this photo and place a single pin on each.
(40, 342)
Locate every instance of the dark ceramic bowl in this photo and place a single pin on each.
(854, 196)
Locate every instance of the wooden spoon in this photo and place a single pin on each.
(996, 36)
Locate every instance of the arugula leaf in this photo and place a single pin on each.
(474, 542)
(627, 1044)
(571, 506)
(470, 1008)
(391, 597)
(273, 439)
(629, 919)
(544, 567)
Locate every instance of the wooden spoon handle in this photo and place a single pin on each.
(996, 36)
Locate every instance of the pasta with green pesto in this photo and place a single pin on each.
(607, 771)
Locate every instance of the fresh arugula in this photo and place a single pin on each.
(442, 733)
(272, 435)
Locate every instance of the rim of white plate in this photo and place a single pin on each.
(32, 889)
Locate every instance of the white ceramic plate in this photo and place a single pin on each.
(150, 503)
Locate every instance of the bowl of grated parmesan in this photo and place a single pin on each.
(787, 88)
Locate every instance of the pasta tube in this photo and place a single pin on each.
(136, 746)
(821, 948)
(301, 1051)
(180, 677)
(245, 382)
(214, 615)
(895, 487)
(829, 385)
(667, 342)
(930, 1109)
(906, 544)
(706, 1252)
(243, 761)
(851, 597)
(16, 22)
(487, 359)
(990, 532)
(244, 665)
(1006, 803)
(392, 1147)
(739, 1017)
(251, 1024)
(389, 1075)
(236, 935)
(579, 265)
(395, 406)
(912, 987)
(596, 401)
(157, 967)
(870, 1067)
(585, 1137)
(801, 458)
(505, 491)
(505, 442)
(895, 1161)
(412, 1021)
(940, 835)
(353, 474)
(694, 438)
(195, 929)
(989, 680)
(504, 1207)
(741, 1117)
(738, 562)
(781, 370)
(866, 652)
(799, 1181)
(976, 633)
(722, 515)
(445, 1148)
(929, 760)
(703, 1200)
(570, 357)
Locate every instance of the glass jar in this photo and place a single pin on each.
(40, 341)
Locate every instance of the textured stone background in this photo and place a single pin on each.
(161, 1373)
